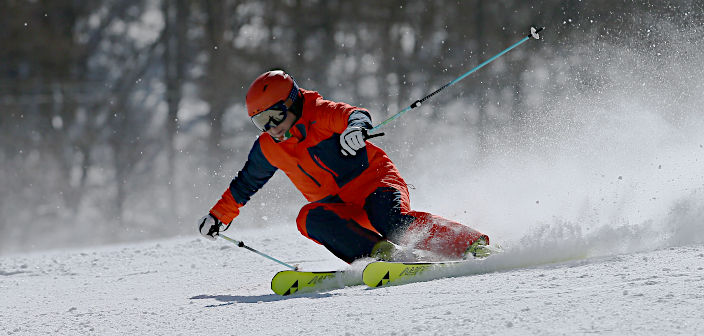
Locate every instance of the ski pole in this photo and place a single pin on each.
(241, 244)
(533, 33)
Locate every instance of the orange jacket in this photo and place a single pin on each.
(312, 160)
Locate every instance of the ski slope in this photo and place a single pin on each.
(192, 286)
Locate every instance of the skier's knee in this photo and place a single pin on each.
(302, 218)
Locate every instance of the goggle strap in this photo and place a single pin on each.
(293, 95)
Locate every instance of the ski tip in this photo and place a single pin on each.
(535, 32)
(370, 276)
(279, 287)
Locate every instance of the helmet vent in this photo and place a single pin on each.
(264, 88)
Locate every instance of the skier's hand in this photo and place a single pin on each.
(209, 226)
(352, 140)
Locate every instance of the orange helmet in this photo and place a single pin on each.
(269, 89)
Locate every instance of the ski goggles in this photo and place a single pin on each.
(271, 117)
(276, 114)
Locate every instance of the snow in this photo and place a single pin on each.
(188, 285)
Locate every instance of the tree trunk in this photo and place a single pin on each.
(216, 80)
(175, 13)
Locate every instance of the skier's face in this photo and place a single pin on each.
(280, 129)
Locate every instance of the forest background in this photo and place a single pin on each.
(125, 120)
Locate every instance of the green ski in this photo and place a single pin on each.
(382, 273)
(290, 282)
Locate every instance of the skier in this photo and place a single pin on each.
(359, 204)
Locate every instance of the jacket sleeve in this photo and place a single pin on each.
(254, 175)
(360, 118)
(337, 116)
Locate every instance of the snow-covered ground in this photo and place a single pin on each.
(192, 286)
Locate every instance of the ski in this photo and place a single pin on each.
(375, 274)
(382, 273)
(290, 282)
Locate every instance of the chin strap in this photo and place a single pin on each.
(285, 137)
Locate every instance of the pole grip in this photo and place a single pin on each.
(368, 136)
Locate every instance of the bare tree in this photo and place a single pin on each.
(174, 58)
(216, 80)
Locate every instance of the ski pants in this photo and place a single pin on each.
(351, 230)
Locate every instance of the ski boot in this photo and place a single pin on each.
(384, 250)
(478, 249)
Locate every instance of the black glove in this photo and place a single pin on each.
(209, 226)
